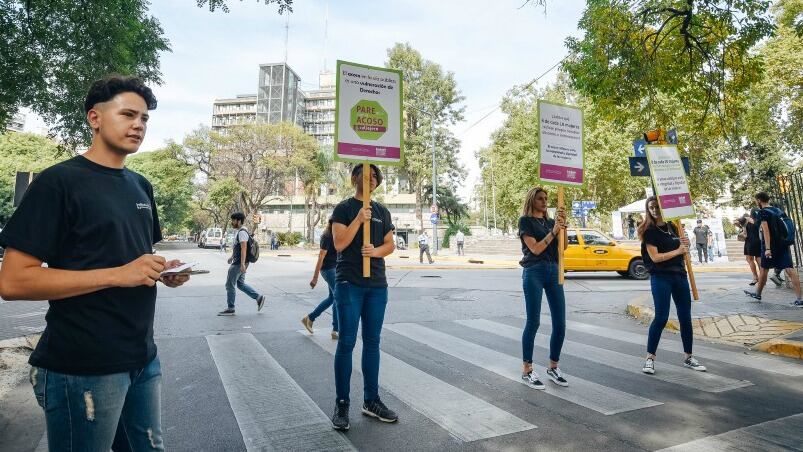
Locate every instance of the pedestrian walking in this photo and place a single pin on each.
(327, 260)
(238, 266)
(776, 238)
(360, 300)
(710, 246)
(461, 239)
(701, 234)
(662, 250)
(423, 247)
(631, 227)
(752, 243)
(539, 245)
(274, 243)
(95, 371)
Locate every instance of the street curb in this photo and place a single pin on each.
(646, 314)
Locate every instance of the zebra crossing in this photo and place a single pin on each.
(273, 412)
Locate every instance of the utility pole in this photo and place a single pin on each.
(493, 190)
(434, 191)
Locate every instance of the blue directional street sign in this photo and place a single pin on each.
(588, 205)
(640, 148)
(577, 205)
(640, 168)
(433, 218)
(577, 213)
(672, 136)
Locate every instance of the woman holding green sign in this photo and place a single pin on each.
(539, 245)
(663, 248)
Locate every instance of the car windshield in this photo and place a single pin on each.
(592, 238)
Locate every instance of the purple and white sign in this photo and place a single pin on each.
(561, 144)
(669, 177)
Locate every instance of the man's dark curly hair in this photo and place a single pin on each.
(104, 89)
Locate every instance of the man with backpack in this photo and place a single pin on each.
(244, 251)
(777, 232)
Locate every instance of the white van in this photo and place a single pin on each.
(211, 238)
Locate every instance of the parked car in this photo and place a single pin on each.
(211, 238)
(591, 250)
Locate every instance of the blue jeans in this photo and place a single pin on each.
(329, 277)
(537, 279)
(355, 303)
(235, 278)
(95, 413)
(666, 286)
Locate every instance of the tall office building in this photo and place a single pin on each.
(319, 120)
(279, 98)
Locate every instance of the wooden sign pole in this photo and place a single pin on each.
(366, 226)
(689, 270)
(561, 239)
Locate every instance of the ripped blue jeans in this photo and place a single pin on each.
(95, 413)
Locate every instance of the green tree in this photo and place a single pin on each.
(314, 171)
(172, 184)
(219, 199)
(22, 152)
(284, 5)
(427, 88)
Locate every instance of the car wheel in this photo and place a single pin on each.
(637, 269)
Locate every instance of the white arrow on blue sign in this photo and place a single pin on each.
(433, 218)
(640, 148)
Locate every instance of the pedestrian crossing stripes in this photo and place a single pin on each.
(273, 412)
(780, 435)
(703, 381)
(465, 416)
(585, 393)
(753, 361)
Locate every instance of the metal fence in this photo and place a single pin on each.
(787, 191)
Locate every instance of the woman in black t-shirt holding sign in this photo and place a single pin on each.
(358, 298)
(663, 249)
(539, 245)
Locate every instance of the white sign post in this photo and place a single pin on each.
(560, 137)
(368, 124)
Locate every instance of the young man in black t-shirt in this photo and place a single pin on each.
(360, 299)
(95, 371)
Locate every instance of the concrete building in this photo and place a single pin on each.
(17, 123)
(238, 110)
(319, 120)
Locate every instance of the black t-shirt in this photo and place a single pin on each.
(666, 239)
(330, 259)
(537, 228)
(349, 261)
(78, 215)
(752, 234)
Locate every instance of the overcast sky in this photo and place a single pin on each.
(489, 45)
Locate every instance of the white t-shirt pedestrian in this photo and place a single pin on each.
(423, 240)
(242, 236)
(460, 237)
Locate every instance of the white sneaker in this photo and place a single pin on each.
(692, 363)
(649, 366)
(532, 380)
(556, 376)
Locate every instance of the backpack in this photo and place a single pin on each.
(252, 249)
(782, 228)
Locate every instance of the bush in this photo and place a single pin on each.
(728, 228)
(288, 238)
(452, 230)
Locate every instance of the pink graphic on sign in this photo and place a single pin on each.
(362, 150)
(561, 173)
(676, 200)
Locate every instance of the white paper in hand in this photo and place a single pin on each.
(179, 269)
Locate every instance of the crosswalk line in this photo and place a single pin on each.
(271, 409)
(703, 381)
(465, 416)
(585, 393)
(753, 361)
(780, 435)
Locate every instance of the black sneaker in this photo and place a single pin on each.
(375, 408)
(260, 302)
(753, 295)
(556, 376)
(777, 280)
(798, 304)
(340, 419)
(532, 379)
(227, 311)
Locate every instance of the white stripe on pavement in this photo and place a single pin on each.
(271, 409)
(703, 381)
(585, 393)
(753, 361)
(780, 435)
(465, 416)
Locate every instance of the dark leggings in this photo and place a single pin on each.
(666, 286)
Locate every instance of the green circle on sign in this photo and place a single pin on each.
(369, 120)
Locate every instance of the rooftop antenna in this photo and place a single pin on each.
(325, 34)
(286, 36)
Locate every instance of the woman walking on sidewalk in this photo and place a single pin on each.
(327, 259)
(358, 298)
(662, 249)
(539, 245)
(752, 244)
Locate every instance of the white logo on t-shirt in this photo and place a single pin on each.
(143, 205)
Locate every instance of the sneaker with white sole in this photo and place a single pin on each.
(753, 295)
(340, 418)
(556, 376)
(307, 322)
(533, 380)
(692, 363)
(649, 366)
(227, 311)
(798, 304)
(260, 302)
(377, 410)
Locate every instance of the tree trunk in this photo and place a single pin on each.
(418, 207)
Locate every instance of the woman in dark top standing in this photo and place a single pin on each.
(752, 244)
(327, 259)
(662, 249)
(359, 298)
(539, 245)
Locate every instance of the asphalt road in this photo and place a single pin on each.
(450, 368)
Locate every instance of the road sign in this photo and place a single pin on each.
(639, 149)
(640, 168)
(588, 205)
(577, 213)
(577, 205)
(672, 136)
(433, 218)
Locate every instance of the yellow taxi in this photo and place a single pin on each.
(591, 250)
